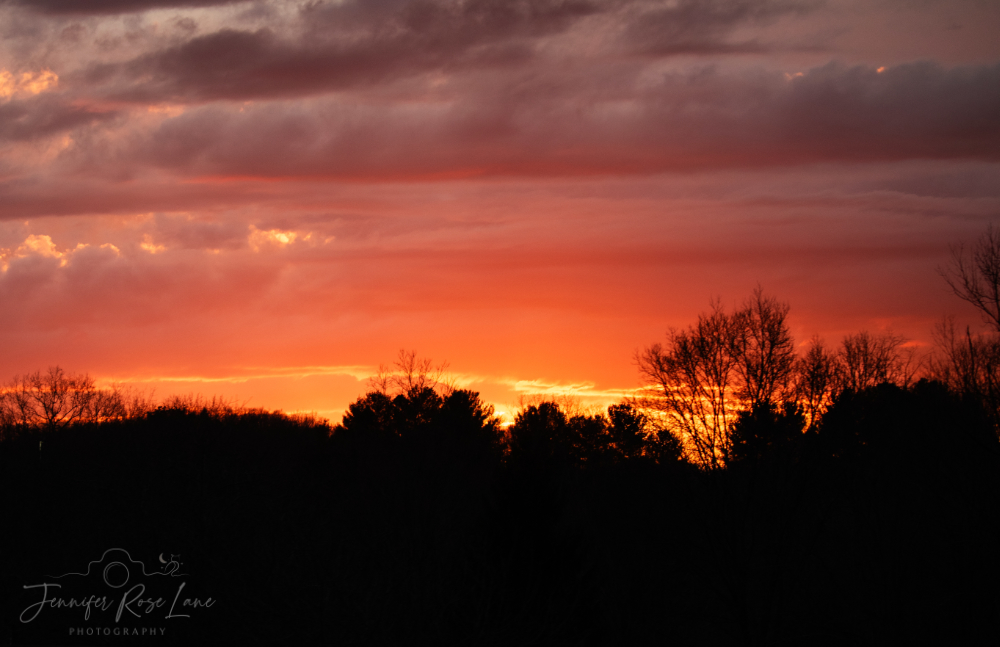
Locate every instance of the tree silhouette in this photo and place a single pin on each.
(764, 351)
(867, 359)
(689, 384)
(56, 399)
(631, 435)
(708, 372)
(415, 405)
(410, 374)
(49, 400)
(541, 433)
(767, 431)
(815, 380)
(969, 364)
(423, 416)
(369, 415)
(974, 275)
(627, 430)
(418, 519)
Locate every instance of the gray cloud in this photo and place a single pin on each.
(185, 233)
(105, 7)
(360, 44)
(914, 110)
(705, 120)
(704, 26)
(44, 116)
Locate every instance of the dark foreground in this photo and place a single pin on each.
(421, 523)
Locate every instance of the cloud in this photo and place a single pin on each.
(330, 47)
(244, 374)
(703, 26)
(703, 120)
(104, 7)
(914, 110)
(605, 122)
(105, 284)
(29, 109)
(45, 115)
(26, 83)
(273, 238)
(345, 45)
(186, 232)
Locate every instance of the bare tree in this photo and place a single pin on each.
(688, 385)
(17, 402)
(119, 401)
(571, 405)
(867, 360)
(968, 364)
(51, 399)
(132, 402)
(974, 275)
(764, 351)
(815, 380)
(409, 375)
(57, 399)
(695, 385)
(216, 405)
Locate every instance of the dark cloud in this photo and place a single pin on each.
(703, 26)
(104, 7)
(45, 115)
(237, 65)
(914, 110)
(29, 195)
(357, 44)
(961, 180)
(452, 20)
(187, 233)
(705, 120)
(344, 45)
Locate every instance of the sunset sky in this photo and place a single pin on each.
(266, 199)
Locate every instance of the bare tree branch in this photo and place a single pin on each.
(974, 275)
(410, 375)
(815, 378)
(866, 359)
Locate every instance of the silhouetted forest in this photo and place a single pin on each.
(747, 495)
(421, 519)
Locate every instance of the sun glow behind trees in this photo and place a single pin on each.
(728, 364)
(706, 379)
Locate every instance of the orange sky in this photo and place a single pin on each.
(266, 201)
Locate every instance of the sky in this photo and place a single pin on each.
(266, 200)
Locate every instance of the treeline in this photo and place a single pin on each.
(743, 364)
(54, 399)
(412, 404)
(422, 519)
(731, 366)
